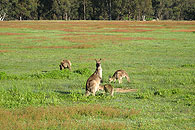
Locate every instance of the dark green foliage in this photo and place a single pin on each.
(98, 9)
(83, 71)
(54, 74)
(166, 92)
(188, 65)
(175, 95)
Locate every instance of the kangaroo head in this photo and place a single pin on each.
(98, 63)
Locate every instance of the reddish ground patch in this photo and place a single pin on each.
(130, 30)
(83, 46)
(87, 38)
(39, 37)
(120, 90)
(184, 30)
(96, 26)
(35, 38)
(8, 34)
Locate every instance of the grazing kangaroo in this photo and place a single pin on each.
(119, 75)
(93, 82)
(107, 88)
(65, 64)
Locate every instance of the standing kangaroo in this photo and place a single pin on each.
(65, 64)
(93, 82)
(119, 75)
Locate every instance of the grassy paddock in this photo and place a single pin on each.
(158, 56)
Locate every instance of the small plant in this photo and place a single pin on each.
(144, 95)
(188, 65)
(3, 75)
(166, 92)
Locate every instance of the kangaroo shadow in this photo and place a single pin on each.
(68, 93)
(63, 92)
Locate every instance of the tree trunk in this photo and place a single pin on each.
(110, 5)
(143, 17)
(129, 14)
(2, 18)
(84, 10)
(66, 16)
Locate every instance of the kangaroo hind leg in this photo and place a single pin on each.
(87, 93)
(120, 80)
(127, 77)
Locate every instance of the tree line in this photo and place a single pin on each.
(97, 9)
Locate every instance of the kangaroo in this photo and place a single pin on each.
(92, 84)
(107, 88)
(65, 64)
(119, 75)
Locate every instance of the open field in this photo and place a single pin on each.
(158, 56)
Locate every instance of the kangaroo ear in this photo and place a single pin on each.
(109, 76)
(95, 60)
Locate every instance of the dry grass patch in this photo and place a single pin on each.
(64, 117)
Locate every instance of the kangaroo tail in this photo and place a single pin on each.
(120, 90)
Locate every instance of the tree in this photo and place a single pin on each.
(188, 10)
(4, 8)
(74, 9)
(97, 9)
(44, 9)
(60, 9)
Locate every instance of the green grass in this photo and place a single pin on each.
(37, 95)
